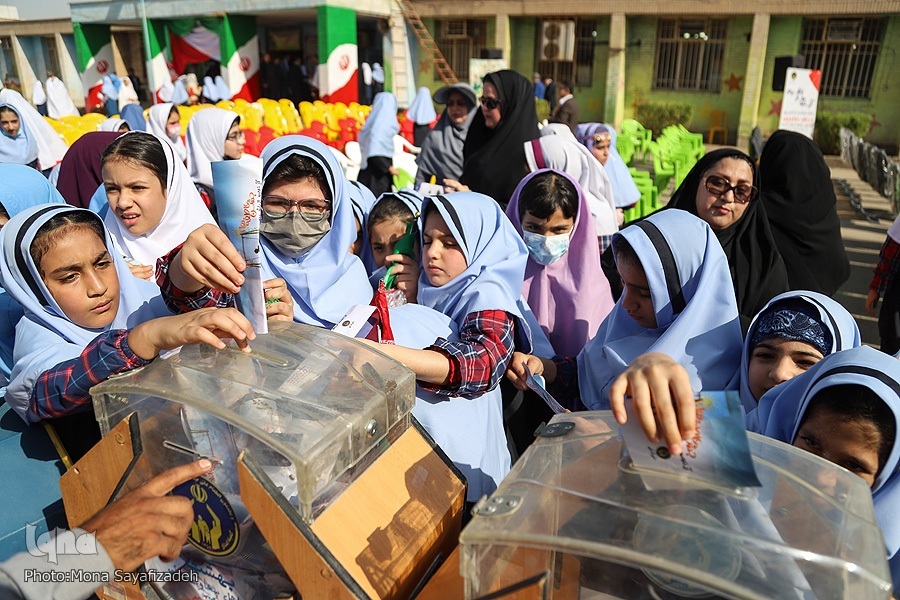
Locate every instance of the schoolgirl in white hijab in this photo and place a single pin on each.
(166, 128)
(20, 148)
(207, 133)
(114, 125)
(182, 209)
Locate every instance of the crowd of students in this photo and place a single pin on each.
(522, 260)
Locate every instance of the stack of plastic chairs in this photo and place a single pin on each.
(625, 148)
(639, 136)
(674, 153)
(649, 202)
(291, 116)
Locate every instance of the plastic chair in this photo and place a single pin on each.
(406, 162)
(718, 121)
(403, 180)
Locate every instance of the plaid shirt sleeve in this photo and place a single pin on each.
(65, 388)
(181, 302)
(565, 387)
(478, 360)
(887, 267)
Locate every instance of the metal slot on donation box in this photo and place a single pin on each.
(575, 520)
(324, 485)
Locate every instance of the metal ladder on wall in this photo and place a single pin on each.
(426, 42)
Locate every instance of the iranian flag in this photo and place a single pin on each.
(337, 77)
(93, 45)
(338, 66)
(230, 40)
(240, 57)
(197, 46)
(158, 67)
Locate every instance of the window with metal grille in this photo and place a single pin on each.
(579, 69)
(459, 41)
(845, 50)
(689, 54)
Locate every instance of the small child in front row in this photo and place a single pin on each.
(846, 409)
(387, 223)
(677, 300)
(473, 265)
(86, 316)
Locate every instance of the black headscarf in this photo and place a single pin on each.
(494, 159)
(797, 192)
(757, 268)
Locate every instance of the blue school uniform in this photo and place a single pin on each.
(470, 428)
(781, 411)
(45, 337)
(326, 280)
(21, 187)
(696, 313)
(832, 317)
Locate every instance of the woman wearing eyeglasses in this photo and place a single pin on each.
(213, 134)
(722, 189)
(494, 151)
(442, 151)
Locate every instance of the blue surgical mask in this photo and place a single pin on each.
(546, 249)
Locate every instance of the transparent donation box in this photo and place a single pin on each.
(574, 519)
(319, 469)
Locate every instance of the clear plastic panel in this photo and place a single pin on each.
(308, 401)
(575, 516)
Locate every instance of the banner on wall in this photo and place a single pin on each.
(479, 67)
(801, 98)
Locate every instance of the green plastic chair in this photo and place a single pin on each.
(403, 180)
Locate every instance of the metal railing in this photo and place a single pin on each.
(873, 165)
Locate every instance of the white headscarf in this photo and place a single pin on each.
(223, 89)
(206, 135)
(127, 94)
(112, 124)
(51, 147)
(210, 89)
(157, 119)
(184, 213)
(59, 103)
(38, 96)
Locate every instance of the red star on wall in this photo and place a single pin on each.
(734, 83)
(776, 108)
(873, 124)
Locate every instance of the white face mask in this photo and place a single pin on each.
(546, 249)
(174, 131)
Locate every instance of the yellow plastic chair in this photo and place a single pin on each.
(718, 122)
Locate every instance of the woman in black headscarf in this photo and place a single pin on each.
(494, 152)
(797, 192)
(722, 190)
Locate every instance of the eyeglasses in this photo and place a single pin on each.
(237, 135)
(718, 185)
(490, 103)
(310, 209)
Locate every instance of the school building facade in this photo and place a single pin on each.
(718, 56)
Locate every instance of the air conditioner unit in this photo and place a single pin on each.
(558, 40)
